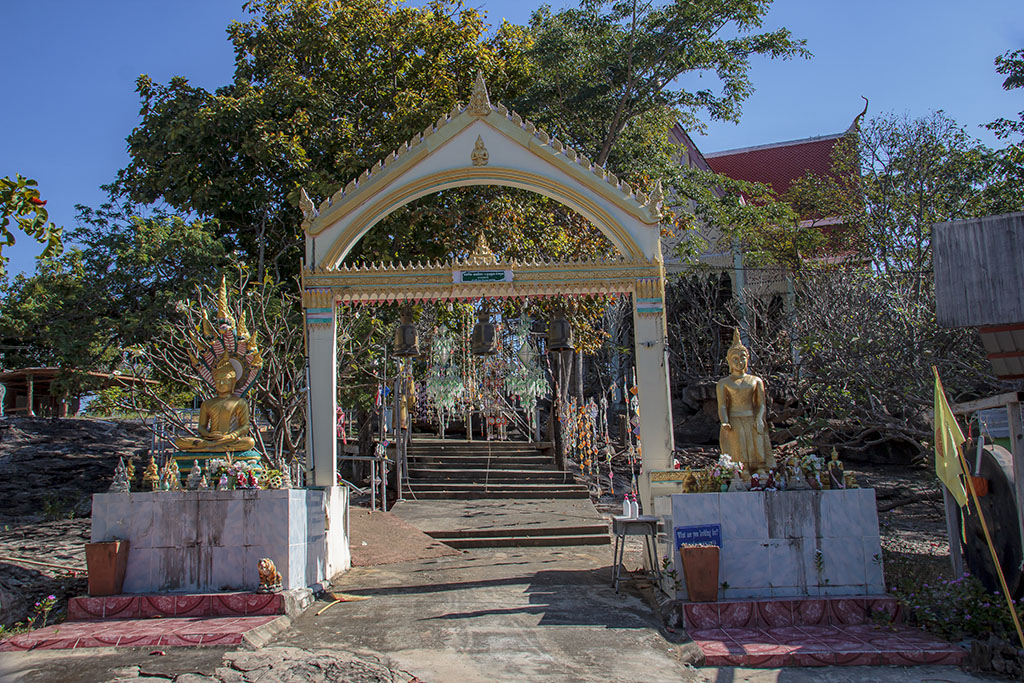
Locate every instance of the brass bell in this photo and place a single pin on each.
(407, 341)
(485, 339)
(559, 333)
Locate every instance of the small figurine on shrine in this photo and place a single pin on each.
(223, 483)
(850, 481)
(151, 477)
(204, 485)
(836, 476)
(795, 478)
(121, 482)
(270, 578)
(195, 475)
(170, 478)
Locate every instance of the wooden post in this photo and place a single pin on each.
(31, 397)
(953, 522)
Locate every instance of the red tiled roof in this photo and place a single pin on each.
(778, 164)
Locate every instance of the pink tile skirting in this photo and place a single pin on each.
(169, 632)
(857, 645)
(776, 613)
(200, 605)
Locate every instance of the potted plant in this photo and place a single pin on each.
(700, 568)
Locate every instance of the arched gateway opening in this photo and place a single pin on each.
(485, 144)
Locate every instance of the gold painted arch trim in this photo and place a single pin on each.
(468, 177)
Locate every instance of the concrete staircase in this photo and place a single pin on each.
(497, 494)
(447, 469)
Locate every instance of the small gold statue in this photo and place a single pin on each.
(742, 410)
(151, 477)
(224, 420)
(270, 578)
(836, 475)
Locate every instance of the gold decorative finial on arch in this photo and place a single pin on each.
(479, 102)
(482, 254)
(656, 200)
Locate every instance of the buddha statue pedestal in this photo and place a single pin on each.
(186, 459)
(211, 541)
(782, 544)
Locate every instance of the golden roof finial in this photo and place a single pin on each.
(479, 102)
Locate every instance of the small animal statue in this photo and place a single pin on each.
(270, 578)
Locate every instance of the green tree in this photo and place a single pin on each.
(321, 91)
(19, 199)
(1011, 65)
(81, 309)
(911, 173)
(605, 66)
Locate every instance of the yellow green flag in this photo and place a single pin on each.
(948, 439)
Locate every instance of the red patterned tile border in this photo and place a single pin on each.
(779, 612)
(182, 605)
(856, 645)
(170, 632)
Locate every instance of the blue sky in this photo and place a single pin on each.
(70, 70)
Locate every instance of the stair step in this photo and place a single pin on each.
(473, 485)
(490, 475)
(521, 532)
(480, 463)
(494, 493)
(526, 541)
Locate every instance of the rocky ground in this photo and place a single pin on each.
(49, 469)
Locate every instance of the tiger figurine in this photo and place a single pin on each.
(270, 578)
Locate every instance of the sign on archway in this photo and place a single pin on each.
(485, 144)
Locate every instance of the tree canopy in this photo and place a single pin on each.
(19, 198)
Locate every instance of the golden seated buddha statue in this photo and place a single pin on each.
(224, 420)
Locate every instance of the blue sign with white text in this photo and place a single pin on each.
(703, 534)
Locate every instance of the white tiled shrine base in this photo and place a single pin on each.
(785, 543)
(212, 540)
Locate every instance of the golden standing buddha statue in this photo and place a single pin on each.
(224, 420)
(742, 410)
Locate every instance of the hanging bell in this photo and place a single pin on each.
(485, 339)
(559, 333)
(407, 342)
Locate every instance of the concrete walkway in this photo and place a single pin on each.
(531, 614)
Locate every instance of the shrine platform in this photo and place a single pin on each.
(167, 621)
(853, 631)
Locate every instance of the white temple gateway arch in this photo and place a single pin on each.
(485, 144)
